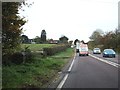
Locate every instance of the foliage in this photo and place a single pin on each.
(70, 42)
(36, 74)
(53, 50)
(25, 56)
(17, 58)
(37, 39)
(11, 25)
(108, 40)
(63, 39)
(43, 36)
(111, 40)
(25, 39)
(96, 36)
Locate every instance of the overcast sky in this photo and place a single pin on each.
(76, 19)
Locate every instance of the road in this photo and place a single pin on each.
(108, 59)
(88, 72)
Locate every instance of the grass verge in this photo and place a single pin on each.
(36, 74)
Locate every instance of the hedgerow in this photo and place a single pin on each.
(53, 50)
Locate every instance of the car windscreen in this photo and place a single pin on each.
(83, 49)
(96, 49)
(109, 51)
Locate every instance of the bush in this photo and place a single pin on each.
(53, 50)
(6, 59)
(25, 56)
(22, 57)
(17, 58)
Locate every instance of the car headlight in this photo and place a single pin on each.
(113, 52)
(105, 52)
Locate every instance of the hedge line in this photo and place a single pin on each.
(18, 57)
(55, 49)
(26, 56)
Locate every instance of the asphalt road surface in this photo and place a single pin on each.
(87, 72)
(105, 58)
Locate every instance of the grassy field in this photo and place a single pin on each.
(36, 74)
(36, 47)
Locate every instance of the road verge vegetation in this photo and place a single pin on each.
(37, 74)
(55, 49)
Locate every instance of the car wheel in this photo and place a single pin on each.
(114, 56)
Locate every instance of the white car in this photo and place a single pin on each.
(96, 51)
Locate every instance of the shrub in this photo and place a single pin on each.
(25, 56)
(53, 50)
(6, 59)
(17, 58)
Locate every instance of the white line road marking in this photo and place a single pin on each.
(62, 82)
(71, 65)
(66, 76)
(108, 62)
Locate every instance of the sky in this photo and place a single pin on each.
(76, 19)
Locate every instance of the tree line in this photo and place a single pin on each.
(42, 39)
(110, 39)
(37, 39)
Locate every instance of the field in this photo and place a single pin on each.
(36, 47)
(37, 74)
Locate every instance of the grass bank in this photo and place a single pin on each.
(36, 74)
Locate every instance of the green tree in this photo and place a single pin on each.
(25, 39)
(63, 39)
(108, 40)
(96, 36)
(91, 44)
(70, 42)
(11, 26)
(43, 36)
(37, 39)
(111, 40)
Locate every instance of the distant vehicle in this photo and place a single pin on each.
(96, 51)
(109, 53)
(77, 47)
(83, 49)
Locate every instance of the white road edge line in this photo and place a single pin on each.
(108, 62)
(66, 76)
(71, 64)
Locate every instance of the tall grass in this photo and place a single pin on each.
(36, 74)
